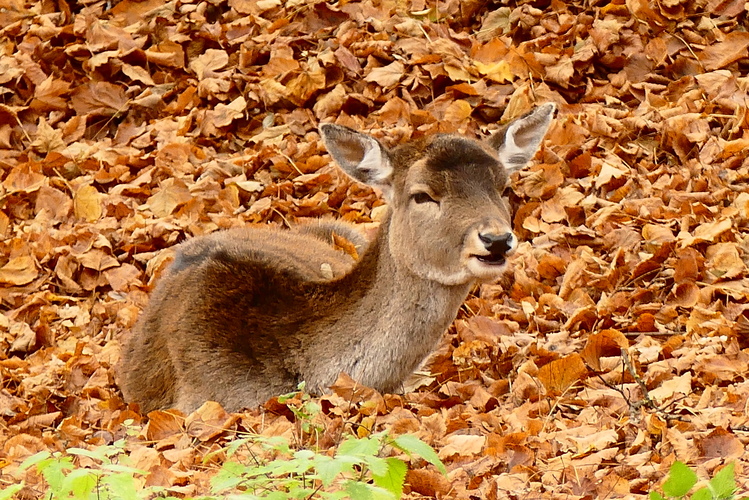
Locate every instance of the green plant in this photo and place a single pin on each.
(110, 479)
(356, 471)
(681, 479)
(305, 409)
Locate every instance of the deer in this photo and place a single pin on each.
(245, 314)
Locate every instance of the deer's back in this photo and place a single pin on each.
(233, 302)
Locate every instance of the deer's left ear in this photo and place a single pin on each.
(518, 141)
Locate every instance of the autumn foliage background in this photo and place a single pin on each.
(618, 341)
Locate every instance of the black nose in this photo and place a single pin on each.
(497, 244)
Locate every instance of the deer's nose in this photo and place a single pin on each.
(498, 243)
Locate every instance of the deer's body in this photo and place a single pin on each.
(246, 314)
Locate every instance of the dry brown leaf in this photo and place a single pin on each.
(721, 444)
(724, 261)
(721, 54)
(559, 375)
(19, 271)
(87, 203)
(387, 76)
(24, 178)
(172, 194)
(675, 387)
(99, 98)
(604, 344)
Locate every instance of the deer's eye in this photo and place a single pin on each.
(422, 197)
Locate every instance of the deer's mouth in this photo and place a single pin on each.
(491, 259)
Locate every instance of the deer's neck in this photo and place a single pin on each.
(389, 319)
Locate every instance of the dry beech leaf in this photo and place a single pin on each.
(172, 194)
(351, 390)
(99, 98)
(457, 112)
(559, 375)
(686, 294)
(24, 338)
(721, 444)
(163, 424)
(724, 261)
(721, 54)
(707, 232)
(387, 76)
(54, 201)
(656, 233)
(24, 178)
(499, 71)
(209, 421)
(674, 387)
(342, 243)
(604, 344)
(87, 203)
(310, 80)
(428, 482)
(608, 172)
(207, 64)
(19, 271)
(462, 445)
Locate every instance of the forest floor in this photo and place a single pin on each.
(617, 343)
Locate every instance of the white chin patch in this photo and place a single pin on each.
(485, 269)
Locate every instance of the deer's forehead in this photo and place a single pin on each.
(453, 160)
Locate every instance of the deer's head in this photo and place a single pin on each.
(450, 222)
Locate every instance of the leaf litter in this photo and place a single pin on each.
(616, 344)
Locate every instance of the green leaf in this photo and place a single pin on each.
(123, 468)
(96, 454)
(702, 494)
(680, 480)
(230, 475)
(723, 484)
(52, 470)
(123, 484)
(359, 447)
(329, 468)
(34, 459)
(413, 445)
(654, 495)
(81, 483)
(358, 491)
(7, 493)
(394, 476)
(377, 465)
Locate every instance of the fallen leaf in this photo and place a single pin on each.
(19, 271)
(387, 76)
(559, 375)
(87, 203)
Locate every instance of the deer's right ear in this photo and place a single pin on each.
(359, 155)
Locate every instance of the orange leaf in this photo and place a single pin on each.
(172, 194)
(19, 271)
(387, 76)
(87, 203)
(557, 376)
(99, 98)
(604, 344)
(726, 52)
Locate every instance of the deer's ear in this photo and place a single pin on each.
(360, 155)
(518, 141)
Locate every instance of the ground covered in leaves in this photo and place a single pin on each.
(619, 340)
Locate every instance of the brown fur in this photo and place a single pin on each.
(246, 314)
